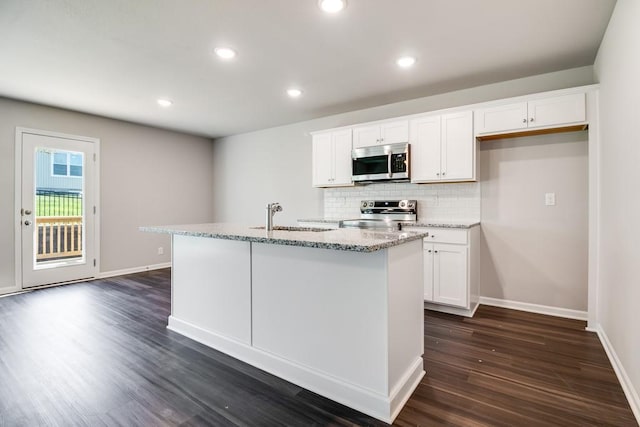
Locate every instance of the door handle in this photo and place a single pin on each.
(27, 222)
(27, 212)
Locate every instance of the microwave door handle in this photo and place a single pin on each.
(389, 165)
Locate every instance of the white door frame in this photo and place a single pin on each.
(18, 200)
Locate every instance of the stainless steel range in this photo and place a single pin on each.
(384, 215)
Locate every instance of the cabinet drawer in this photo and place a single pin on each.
(447, 235)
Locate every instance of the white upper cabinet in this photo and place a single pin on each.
(539, 113)
(425, 137)
(322, 159)
(559, 110)
(342, 158)
(331, 162)
(381, 134)
(501, 118)
(442, 148)
(366, 136)
(458, 147)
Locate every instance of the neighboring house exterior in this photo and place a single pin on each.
(59, 171)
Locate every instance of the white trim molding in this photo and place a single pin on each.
(132, 270)
(535, 308)
(627, 386)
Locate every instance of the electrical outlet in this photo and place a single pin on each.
(160, 250)
(550, 199)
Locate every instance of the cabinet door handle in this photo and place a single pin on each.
(443, 173)
(531, 119)
(429, 251)
(524, 120)
(435, 251)
(438, 174)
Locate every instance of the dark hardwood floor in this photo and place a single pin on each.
(99, 354)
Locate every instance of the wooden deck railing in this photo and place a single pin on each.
(58, 237)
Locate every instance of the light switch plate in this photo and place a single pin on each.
(550, 199)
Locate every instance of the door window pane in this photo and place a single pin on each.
(75, 164)
(60, 161)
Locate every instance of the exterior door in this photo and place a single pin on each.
(56, 207)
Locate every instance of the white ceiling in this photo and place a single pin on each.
(116, 57)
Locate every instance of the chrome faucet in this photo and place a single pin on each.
(272, 208)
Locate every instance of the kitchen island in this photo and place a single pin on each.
(338, 312)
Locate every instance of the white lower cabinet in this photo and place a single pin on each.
(451, 270)
(445, 280)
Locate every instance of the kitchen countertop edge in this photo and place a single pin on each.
(423, 224)
(303, 241)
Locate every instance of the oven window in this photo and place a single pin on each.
(371, 165)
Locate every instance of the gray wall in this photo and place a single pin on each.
(148, 176)
(275, 164)
(617, 68)
(531, 252)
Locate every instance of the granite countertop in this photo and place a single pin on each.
(323, 220)
(356, 240)
(446, 223)
(421, 223)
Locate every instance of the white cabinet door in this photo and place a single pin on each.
(458, 147)
(331, 163)
(366, 136)
(424, 138)
(322, 160)
(382, 134)
(558, 110)
(501, 118)
(428, 272)
(450, 284)
(394, 132)
(342, 157)
(547, 112)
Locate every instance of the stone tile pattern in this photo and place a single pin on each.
(445, 202)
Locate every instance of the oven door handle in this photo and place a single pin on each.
(389, 165)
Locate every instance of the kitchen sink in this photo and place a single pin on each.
(287, 228)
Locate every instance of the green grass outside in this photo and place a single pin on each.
(56, 206)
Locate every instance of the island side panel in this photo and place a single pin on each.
(406, 321)
(323, 309)
(211, 285)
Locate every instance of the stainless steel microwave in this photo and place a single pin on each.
(380, 163)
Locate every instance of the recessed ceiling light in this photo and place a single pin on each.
(406, 61)
(165, 103)
(332, 6)
(294, 93)
(225, 52)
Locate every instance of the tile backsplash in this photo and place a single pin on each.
(435, 201)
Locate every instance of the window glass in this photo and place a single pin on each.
(67, 164)
(60, 164)
(75, 164)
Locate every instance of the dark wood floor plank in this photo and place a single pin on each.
(99, 354)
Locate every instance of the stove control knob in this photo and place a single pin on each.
(403, 204)
(370, 204)
(364, 204)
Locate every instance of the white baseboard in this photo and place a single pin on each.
(113, 273)
(627, 386)
(380, 406)
(452, 310)
(535, 308)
